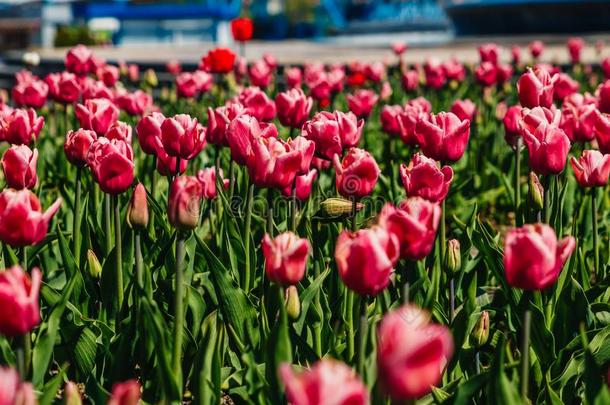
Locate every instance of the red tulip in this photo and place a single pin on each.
(366, 258)
(603, 96)
(64, 87)
(19, 166)
(294, 77)
(120, 130)
(79, 60)
(423, 178)
(306, 148)
(260, 74)
(356, 176)
(182, 136)
(454, 70)
(487, 74)
(257, 103)
(136, 103)
(149, 132)
(535, 88)
(435, 75)
(242, 29)
(125, 393)
(564, 86)
(242, 132)
(511, 124)
(536, 47)
(412, 352)
(97, 114)
(533, 257)
(548, 145)
(285, 258)
(19, 301)
(293, 107)
(464, 109)
(575, 46)
(273, 163)
(444, 137)
(578, 116)
(605, 66)
(515, 52)
(361, 103)
(111, 162)
(591, 169)
(22, 222)
(302, 185)
(77, 144)
(207, 178)
(489, 53)
(328, 382)
(332, 132)
(32, 93)
(19, 126)
(389, 119)
(414, 111)
(410, 80)
(183, 202)
(219, 60)
(108, 74)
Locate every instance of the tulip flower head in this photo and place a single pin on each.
(285, 258)
(444, 137)
(111, 163)
(357, 174)
(19, 166)
(423, 178)
(591, 169)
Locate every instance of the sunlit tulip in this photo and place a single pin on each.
(79, 60)
(435, 74)
(285, 258)
(219, 60)
(273, 163)
(182, 136)
(564, 86)
(293, 107)
(31, 93)
(410, 80)
(423, 178)
(591, 169)
(64, 87)
(361, 102)
(260, 74)
(444, 137)
(242, 132)
(77, 144)
(108, 74)
(136, 103)
(19, 127)
(464, 109)
(148, 130)
(356, 175)
(454, 70)
(302, 185)
(535, 88)
(219, 120)
(257, 103)
(111, 163)
(19, 166)
(97, 114)
(242, 29)
(389, 119)
(19, 301)
(332, 132)
(578, 117)
(137, 210)
(413, 112)
(293, 76)
(184, 201)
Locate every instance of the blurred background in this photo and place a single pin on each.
(50, 23)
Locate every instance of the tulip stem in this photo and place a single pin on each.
(270, 212)
(451, 299)
(24, 258)
(139, 260)
(547, 199)
(595, 233)
(76, 237)
(349, 304)
(354, 213)
(525, 369)
(362, 335)
(293, 206)
(178, 306)
(443, 238)
(247, 230)
(27, 354)
(118, 255)
(517, 180)
(231, 179)
(107, 223)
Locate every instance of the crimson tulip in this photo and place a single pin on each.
(536, 48)
(273, 163)
(414, 111)
(120, 130)
(242, 29)
(97, 114)
(257, 103)
(578, 116)
(285, 258)
(182, 136)
(302, 185)
(294, 77)
(293, 107)
(19, 301)
(603, 97)
(575, 46)
(18, 127)
(444, 137)
(464, 109)
(77, 144)
(489, 53)
(361, 102)
(64, 87)
(79, 60)
(111, 162)
(260, 74)
(242, 132)
(423, 178)
(535, 88)
(454, 70)
(356, 175)
(389, 119)
(31, 93)
(219, 60)
(148, 130)
(435, 75)
(136, 104)
(219, 120)
(183, 202)
(332, 132)
(564, 86)
(511, 124)
(108, 74)
(19, 166)
(591, 169)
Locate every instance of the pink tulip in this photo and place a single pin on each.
(578, 116)
(399, 48)
(148, 130)
(389, 119)
(535, 88)
(241, 134)
(603, 96)
(120, 130)
(186, 85)
(97, 114)
(257, 103)
(435, 75)
(361, 103)
(515, 52)
(328, 382)
(302, 185)
(95, 89)
(410, 80)
(591, 169)
(293, 107)
(487, 74)
(294, 77)
(219, 120)
(605, 66)
(464, 109)
(22, 222)
(184, 201)
(125, 393)
(564, 86)
(108, 74)
(511, 124)
(356, 175)
(166, 164)
(273, 163)
(137, 103)
(414, 111)
(111, 163)
(375, 72)
(32, 93)
(285, 258)
(454, 70)
(533, 257)
(19, 301)
(79, 60)
(332, 132)
(182, 136)
(412, 352)
(444, 137)
(489, 53)
(536, 48)
(575, 46)
(19, 166)
(19, 126)
(366, 258)
(64, 87)
(260, 74)
(77, 144)
(207, 178)
(423, 178)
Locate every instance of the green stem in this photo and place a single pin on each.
(107, 223)
(517, 180)
(118, 254)
(354, 214)
(76, 236)
(595, 233)
(178, 307)
(24, 258)
(443, 236)
(547, 198)
(247, 231)
(27, 354)
(139, 260)
(350, 323)
(525, 369)
(362, 335)
(293, 206)
(231, 179)
(270, 212)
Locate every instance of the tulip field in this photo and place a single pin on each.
(345, 234)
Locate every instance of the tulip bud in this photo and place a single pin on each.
(480, 333)
(453, 258)
(72, 395)
(336, 209)
(293, 303)
(150, 78)
(137, 212)
(536, 191)
(95, 268)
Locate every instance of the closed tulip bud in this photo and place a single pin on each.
(71, 394)
(137, 211)
(535, 88)
(150, 78)
(337, 208)
(453, 257)
(480, 333)
(125, 393)
(328, 382)
(19, 301)
(293, 303)
(184, 202)
(536, 191)
(22, 222)
(357, 174)
(285, 258)
(533, 257)
(412, 352)
(19, 166)
(95, 268)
